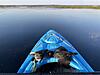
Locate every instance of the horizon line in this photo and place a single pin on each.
(47, 4)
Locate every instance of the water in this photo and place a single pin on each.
(20, 29)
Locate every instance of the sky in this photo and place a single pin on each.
(48, 2)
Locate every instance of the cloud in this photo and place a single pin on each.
(65, 2)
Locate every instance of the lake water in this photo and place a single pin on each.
(20, 29)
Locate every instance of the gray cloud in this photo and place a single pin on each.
(96, 2)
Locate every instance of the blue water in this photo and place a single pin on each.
(20, 29)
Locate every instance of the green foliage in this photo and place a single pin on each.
(54, 6)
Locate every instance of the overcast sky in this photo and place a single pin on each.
(65, 2)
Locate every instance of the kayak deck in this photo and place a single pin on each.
(50, 41)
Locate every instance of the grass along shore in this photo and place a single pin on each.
(53, 6)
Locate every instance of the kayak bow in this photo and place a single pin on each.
(50, 41)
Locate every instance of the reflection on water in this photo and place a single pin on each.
(20, 29)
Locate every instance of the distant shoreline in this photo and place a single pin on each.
(53, 6)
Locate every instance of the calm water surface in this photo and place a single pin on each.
(20, 29)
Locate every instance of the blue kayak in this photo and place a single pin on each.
(52, 40)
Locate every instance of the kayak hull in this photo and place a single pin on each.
(52, 40)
